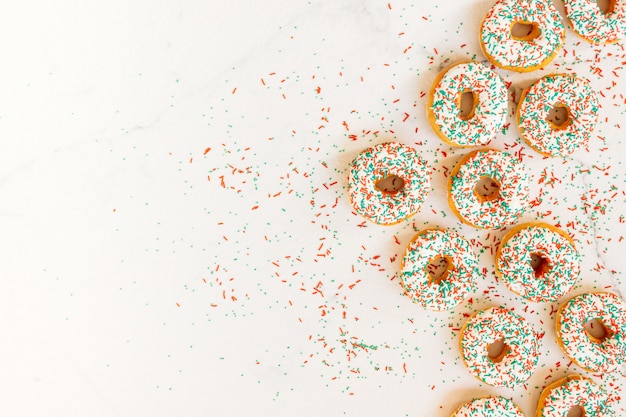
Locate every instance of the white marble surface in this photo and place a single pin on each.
(177, 239)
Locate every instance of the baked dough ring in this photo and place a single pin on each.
(587, 351)
(558, 398)
(526, 53)
(377, 163)
(489, 108)
(559, 261)
(457, 282)
(593, 25)
(521, 347)
(501, 209)
(567, 91)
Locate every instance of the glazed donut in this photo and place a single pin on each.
(590, 352)
(558, 398)
(558, 261)
(457, 281)
(593, 25)
(382, 161)
(489, 107)
(566, 91)
(521, 347)
(489, 407)
(498, 209)
(522, 53)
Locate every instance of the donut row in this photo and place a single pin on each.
(524, 35)
(564, 397)
(477, 123)
(501, 348)
(537, 261)
(388, 206)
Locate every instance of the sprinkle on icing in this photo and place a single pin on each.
(563, 90)
(575, 390)
(571, 318)
(490, 104)
(592, 24)
(489, 407)
(509, 53)
(461, 277)
(514, 189)
(489, 326)
(513, 262)
(382, 161)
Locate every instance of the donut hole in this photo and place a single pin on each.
(525, 31)
(559, 117)
(540, 264)
(497, 350)
(390, 184)
(606, 6)
(439, 268)
(597, 331)
(487, 189)
(468, 100)
(576, 411)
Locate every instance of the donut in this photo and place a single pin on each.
(458, 280)
(490, 103)
(571, 392)
(488, 407)
(568, 92)
(526, 52)
(380, 162)
(594, 25)
(521, 347)
(557, 261)
(501, 208)
(588, 351)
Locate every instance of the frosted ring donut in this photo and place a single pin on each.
(498, 209)
(557, 261)
(519, 357)
(489, 407)
(568, 92)
(592, 24)
(382, 161)
(489, 110)
(459, 278)
(574, 391)
(589, 352)
(522, 53)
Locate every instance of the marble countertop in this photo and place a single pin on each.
(177, 236)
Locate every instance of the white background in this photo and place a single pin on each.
(142, 273)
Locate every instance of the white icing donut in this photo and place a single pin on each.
(490, 104)
(458, 281)
(521, 347)
(560, 90)
(558, 398)
(592, 24)
(489, 407)
(558, 269)
(587, 351)
(521, 54)
(512, 198)
(377, 163)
